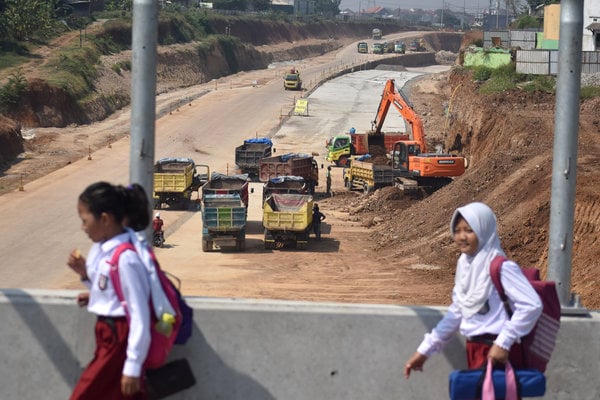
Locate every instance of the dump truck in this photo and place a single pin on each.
(399, 48)
(248, 155)
(376, 34)
(285, 185)
(377, 48)
(175, 179)
(292, 81)
(367, 176)
(291, 164)
(341, 147)
(223, 222)
(227, 184)
(363, 47)
(287, 219)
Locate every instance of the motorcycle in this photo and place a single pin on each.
(158, 239)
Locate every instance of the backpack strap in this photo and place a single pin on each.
(114, 272)
(495, 267)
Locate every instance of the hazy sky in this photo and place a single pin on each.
(471, 5)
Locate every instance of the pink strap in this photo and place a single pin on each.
(487, 390)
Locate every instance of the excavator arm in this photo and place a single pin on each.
(391, 96)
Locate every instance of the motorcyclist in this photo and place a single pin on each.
(157, 224)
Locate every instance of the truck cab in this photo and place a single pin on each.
(292, 81)
(377, 48)
(339, 149)
(363, 47)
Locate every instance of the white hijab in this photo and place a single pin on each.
(473, 284)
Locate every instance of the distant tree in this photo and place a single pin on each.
(526, 21)
(22, 19)
(118, 5)
(327, 7)
(260, 5)
(240, 5)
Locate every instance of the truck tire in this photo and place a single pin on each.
(367, 189)
(206, 245)
(240, 244)
(348, 184)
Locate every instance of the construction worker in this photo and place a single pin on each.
(318, 216)
(328, 177)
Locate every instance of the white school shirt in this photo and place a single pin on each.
(523, 300)
(104, 300)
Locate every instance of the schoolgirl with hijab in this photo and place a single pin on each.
(116, 371)
(476, 310)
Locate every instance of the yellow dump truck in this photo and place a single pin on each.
(287, 219)
(292, 81)
(367, 176)
(175, 179)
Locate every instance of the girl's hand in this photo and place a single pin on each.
(83, 299)
(415, 362)
(77, 263)
(498, 354)
(130, 385)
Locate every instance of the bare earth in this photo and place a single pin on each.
(384, 248)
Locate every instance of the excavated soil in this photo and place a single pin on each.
(507, 138)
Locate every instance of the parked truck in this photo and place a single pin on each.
(363, 47)
(341, 147)
(367, 176)
(227, 184)
(223, 222)
(292, 81)
(285, 185)
(175, 179)
(293, 164)
(287, 219)
(248, 155)
(376, 34)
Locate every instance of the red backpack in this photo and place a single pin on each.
(160, 345)
(539, 343)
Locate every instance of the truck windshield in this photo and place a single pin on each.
(291, 77)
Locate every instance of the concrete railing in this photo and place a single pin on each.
(256, 350)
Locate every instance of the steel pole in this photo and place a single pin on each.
(564, 165)
(143, 95)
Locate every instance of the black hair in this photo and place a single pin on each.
(102, 197)
(137, 207)
(121, 202)
(456, 220)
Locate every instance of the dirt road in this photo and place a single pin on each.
(41, 225)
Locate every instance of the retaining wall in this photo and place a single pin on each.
(256, 350)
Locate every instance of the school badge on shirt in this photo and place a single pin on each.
(102, 282)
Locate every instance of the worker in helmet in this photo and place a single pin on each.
(157, 223)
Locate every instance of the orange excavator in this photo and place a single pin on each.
(414, 168)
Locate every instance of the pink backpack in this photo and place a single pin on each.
(160, 345)
(539, 343)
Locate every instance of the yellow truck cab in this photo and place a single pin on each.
(292, 81)
(377, 48)
(363, 47)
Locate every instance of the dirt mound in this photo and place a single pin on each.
(11, 141)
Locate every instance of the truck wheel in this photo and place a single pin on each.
(366, 189)
(240, 245)
(206, 245)
(301, 245)
(348, 184)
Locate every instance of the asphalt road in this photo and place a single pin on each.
(41, 226)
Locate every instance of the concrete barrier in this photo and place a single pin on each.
(257, 350)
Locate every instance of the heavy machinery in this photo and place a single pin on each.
(175, 179)
(376, 34)
(340, 148)
(287, 219)
(248, 155)
(363, 47)
(291, 164)
(292, 81)
(414, 168)
(367, 176)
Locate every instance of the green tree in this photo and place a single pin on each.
(527, 21)
(23, 19)
(327, 7)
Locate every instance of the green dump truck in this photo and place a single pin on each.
(223, 222)
(287, 219)
(367, 176)
(175, 179)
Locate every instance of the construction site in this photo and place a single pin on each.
(383, 244)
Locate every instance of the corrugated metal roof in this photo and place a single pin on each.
(593, 26)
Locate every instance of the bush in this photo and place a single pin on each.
(588, 92)
(12, 91)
